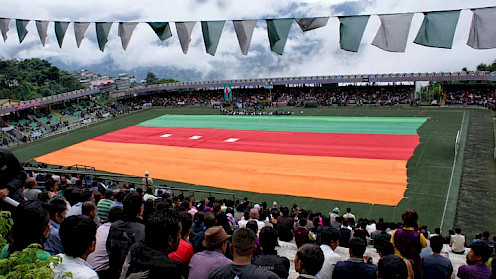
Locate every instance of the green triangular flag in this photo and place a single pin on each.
(21, 28)
(102, 32)
(351, 31)
(60, 29)
(278, 31)
(162, 29)
(212, 30)
(438, 29)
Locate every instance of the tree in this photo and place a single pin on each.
(151, 78)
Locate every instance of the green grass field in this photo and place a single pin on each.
(429, 169)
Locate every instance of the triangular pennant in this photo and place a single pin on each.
(4, 27)
(79, 30)
(212, 30)
(351, 31)
(42, 27)
(125, 32)
(184, 30)
(438, 29)
(21, 29)
(102, 32)
(244, 32)
(482, 32)
(278, 31)
(307, 24)
(162, 29)
(393, 33)
(60, 29)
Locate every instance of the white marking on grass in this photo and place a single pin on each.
(165, 135)
(231, 140)
(195, 137)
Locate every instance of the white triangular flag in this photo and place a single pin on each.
(184, 30)
(244, 32)
(80, 29)
(4, 27)
(307, 24)
(125, 32)
(42, 27)
(393, 33)
(482, 32)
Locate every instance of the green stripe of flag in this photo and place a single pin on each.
(358, 125)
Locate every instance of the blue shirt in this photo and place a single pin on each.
(436, 267)
(53, 244)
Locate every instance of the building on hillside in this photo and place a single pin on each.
(123, 82)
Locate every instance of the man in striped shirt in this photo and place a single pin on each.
(103, 207)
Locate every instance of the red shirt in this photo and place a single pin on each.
(183, 253)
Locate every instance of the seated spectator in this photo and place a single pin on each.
(242, 247)
(355, 267)
(308, 260)
(57, 208)
(476, 262)
(75, 209)
(301, 233)
(31, 193)
(391, 266)
(252, 225)
(148, 259)
(31, 226)
(344, 234)
(486, 239)
(77, 234)
(330, 240)
(215, 243)
(285, 225)
(381, 235)
(99, 259)
(104, 205)
(185, 250)
(89, 209)
(124, 233)
(12, 178)
(436, 266)
(268, 257)
(209, 221)
(361, 231)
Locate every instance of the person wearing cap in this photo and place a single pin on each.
(242, 248)
(333, 215)
(477, 257)
(215, 243)
(147, 181)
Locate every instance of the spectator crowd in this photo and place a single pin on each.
(103, 230)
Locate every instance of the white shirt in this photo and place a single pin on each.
(79, 268)
(75, 209)
(330, 260)
(99, 259)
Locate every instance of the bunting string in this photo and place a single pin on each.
(437, 30)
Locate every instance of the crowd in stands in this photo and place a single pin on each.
(101, 229)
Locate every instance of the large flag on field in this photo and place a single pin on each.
(353, 159)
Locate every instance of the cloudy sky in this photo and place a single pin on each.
(315, 52)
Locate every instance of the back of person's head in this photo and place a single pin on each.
(162, 230)
(254, 214)
(87, 208)
(149, 191)
(348, 210)
(482, 250)
(243, 242)
(132, 204)
(30, 183)
(49, 184)
(268, 239)
(87, 195)
(109, 194)
(31, 225)
(328, 235)
(209, 220)
(77, 234)
(363, 225)
(311, 258)
(339, 219)
(357, 247)
(437, 231)
(116, 213)
(385, 248)
(74, 195)
(186, 223)
(410, 218)
(199, 217)
(326, 221)
(437, 244)
(303, 222)
(285, 211)
(252, 225)
(458, 230)
(486, 235)
(120, 196)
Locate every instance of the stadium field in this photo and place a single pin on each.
(429, 170)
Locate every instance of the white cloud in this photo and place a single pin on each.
(312, 53)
